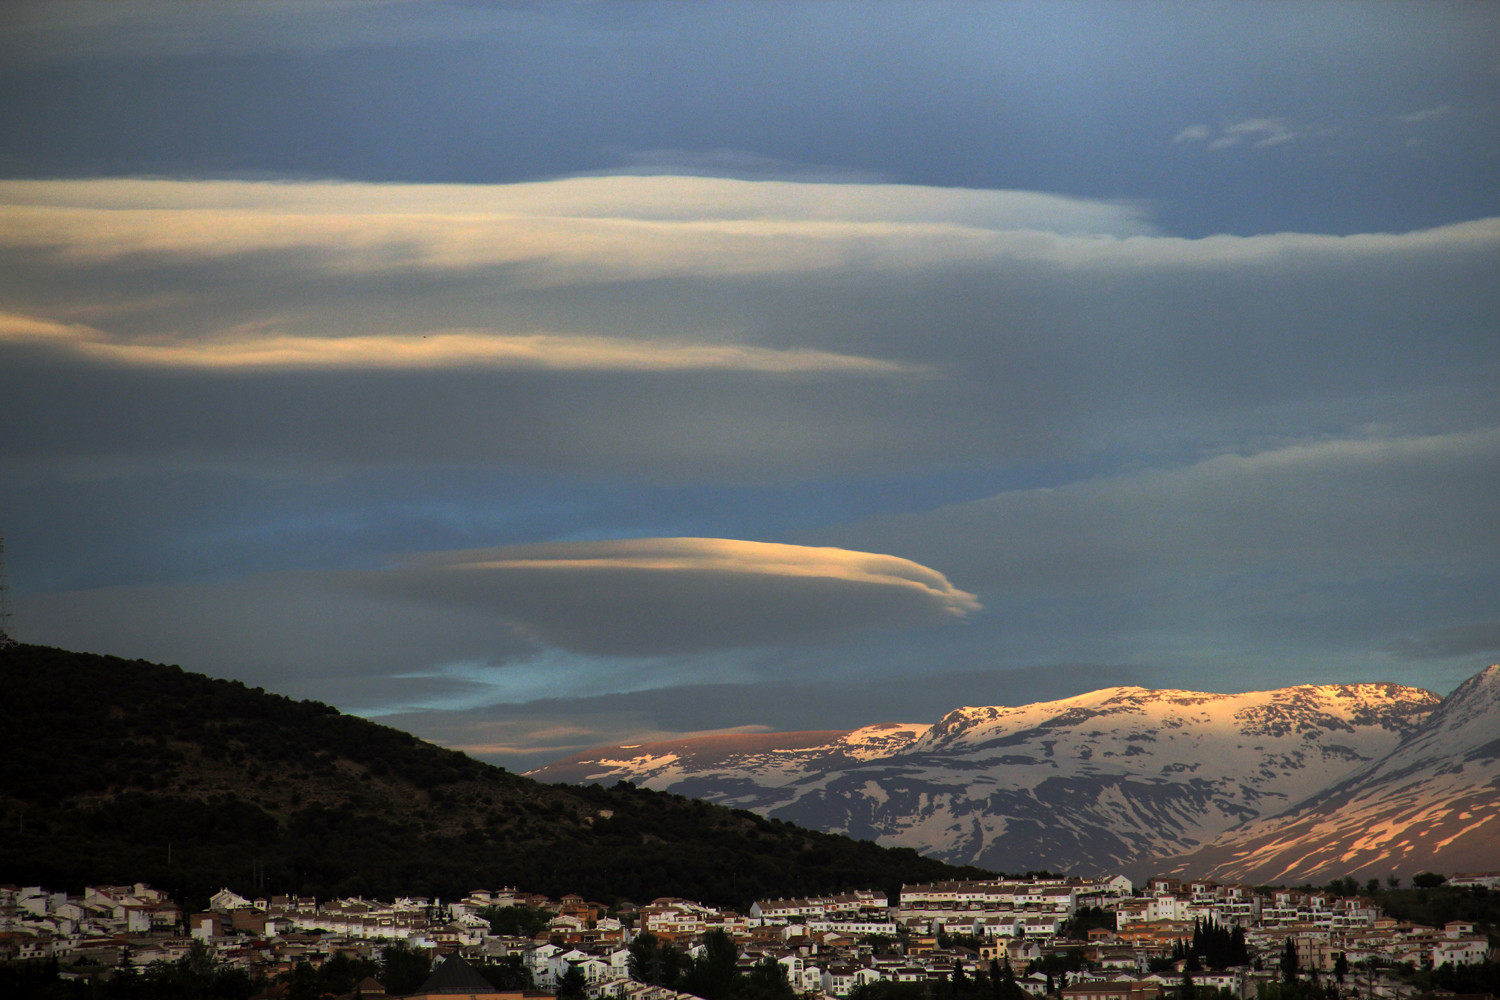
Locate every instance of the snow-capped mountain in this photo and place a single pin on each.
(1435, 796)
(1090, 783)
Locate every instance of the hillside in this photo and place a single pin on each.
(1431, 803)
(119, 771)
(1104, 781)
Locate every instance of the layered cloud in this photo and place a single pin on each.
(469, 349)
(668, 624)
(542, 730)
(1257, 132)
(1205, 406)
(1342, 553)
(658, 596)
(1129, 447)
(631, 598)
(599, 228)
(1334, 509)
(696, 327)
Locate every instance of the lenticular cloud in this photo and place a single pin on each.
(656, 596)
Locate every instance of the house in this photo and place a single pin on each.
(368, 988)
(1460, 951)
(1489, 880)
(839, 979)
(224, 900)
(205, 926)
(1034, 984)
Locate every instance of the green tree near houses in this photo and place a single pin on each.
(1289, 961)
(572, 985)
(653, 961)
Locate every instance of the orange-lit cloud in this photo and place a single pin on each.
(558, 232)
(443, 349)
(590, 229)
(665, 595)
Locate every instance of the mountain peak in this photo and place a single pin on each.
(1432, 801)
(1090, 782)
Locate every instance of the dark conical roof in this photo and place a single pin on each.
(454, 975)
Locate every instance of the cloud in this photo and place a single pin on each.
(469, 349)
(1425, 114)
(696, 327)
(730, 163)
(300, 634)
(1337, 509)
(583, 230)
(530, 733)
(1259, 132)
(1465, 640)
(38, 32)
(655, 596)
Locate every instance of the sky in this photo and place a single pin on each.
(535, 377)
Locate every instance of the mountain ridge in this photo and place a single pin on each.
(1123, 778)
(1437, 794)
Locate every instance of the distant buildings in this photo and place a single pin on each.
(828, 945)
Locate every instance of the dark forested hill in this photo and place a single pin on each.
(120, 771)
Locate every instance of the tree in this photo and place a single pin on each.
(340, 974)
(1427, 880)
(1340, 968)
(1289, 961)
(958, 982)
(510, 973)
(572, 986)
(302, 983)
(516, 921)
(1086, 919)
(1003, 979)
(767, 980)
(200, 960)
(653, 962)
(126, 983)
(405, 968)
(713, 975)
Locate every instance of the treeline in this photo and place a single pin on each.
(1212, 945)
(1440, 904)
(713, 975)
(198, 976)
(1427, 901)
(994, 981)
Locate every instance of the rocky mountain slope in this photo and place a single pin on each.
(1431, 803)
(116, 771)
(1093, 783)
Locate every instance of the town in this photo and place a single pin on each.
(1074, 938)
